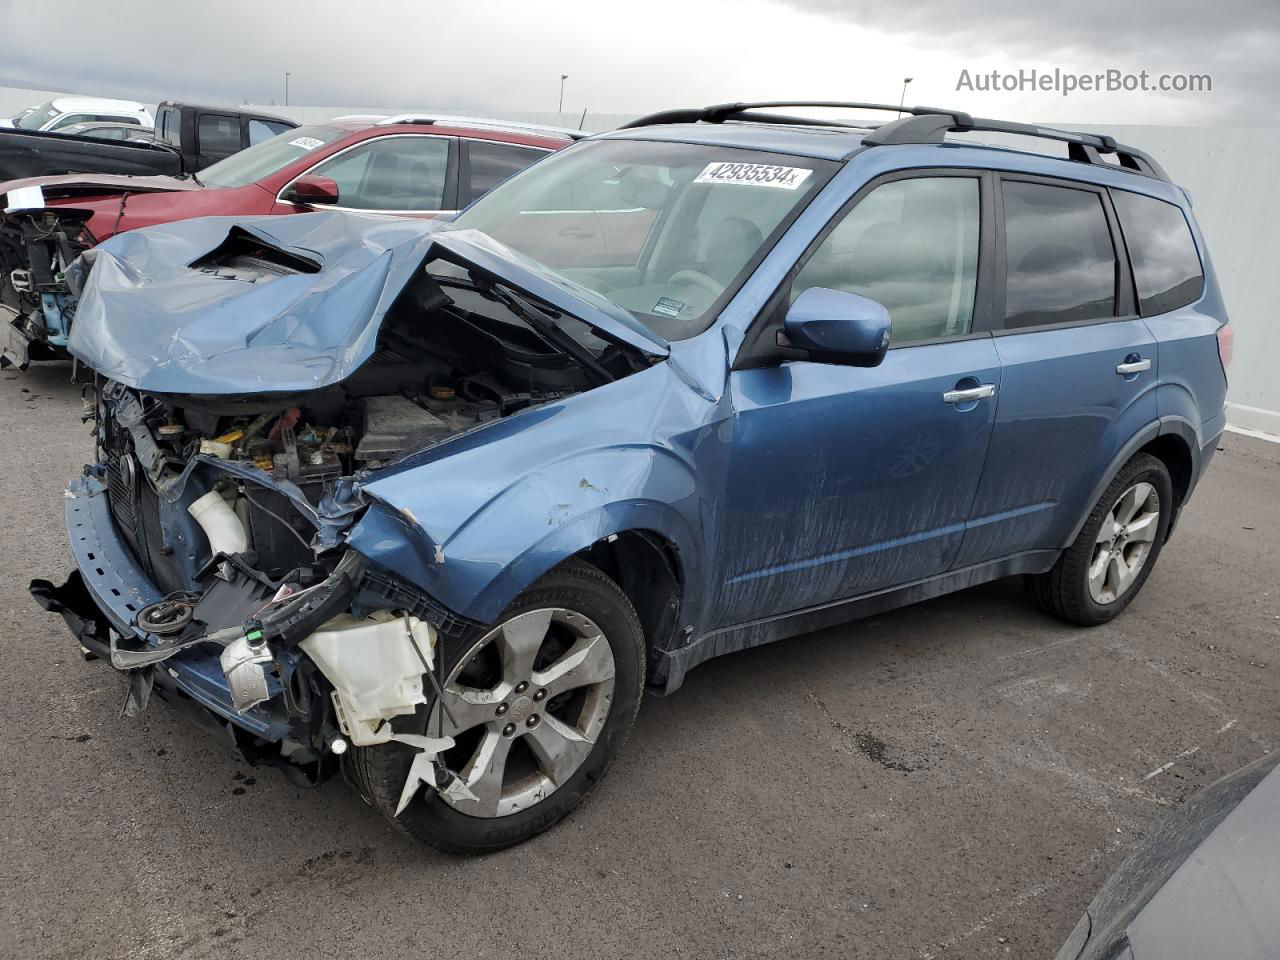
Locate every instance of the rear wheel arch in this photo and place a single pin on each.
(1108, 549)
(1173, 441)
(1173, 450)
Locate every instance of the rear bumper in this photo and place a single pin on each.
(1208, 450)
(104, 594)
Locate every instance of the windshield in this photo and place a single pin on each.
(667, 231)
(265, 158)
(36, 117)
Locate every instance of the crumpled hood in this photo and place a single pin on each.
(148, 319)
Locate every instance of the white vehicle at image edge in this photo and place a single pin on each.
(63, 112)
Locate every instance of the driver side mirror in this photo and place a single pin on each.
(311, 188)
(835, 326)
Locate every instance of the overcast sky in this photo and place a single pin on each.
(504, 55)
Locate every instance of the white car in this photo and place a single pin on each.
(63, 112)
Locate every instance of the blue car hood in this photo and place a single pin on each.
(148, 318)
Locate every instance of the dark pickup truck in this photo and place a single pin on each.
(188, 138)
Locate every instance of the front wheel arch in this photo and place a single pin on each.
(647, 567)
(591, 532)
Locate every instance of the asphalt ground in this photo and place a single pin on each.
(949, 780)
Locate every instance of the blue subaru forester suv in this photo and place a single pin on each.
(435, 503)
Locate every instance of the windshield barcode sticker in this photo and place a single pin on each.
(753, 174)
(669, 306)
(306, 143)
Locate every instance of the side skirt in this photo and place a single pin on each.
(756, 633)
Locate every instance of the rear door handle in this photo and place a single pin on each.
(1130, 367)
(970, 394)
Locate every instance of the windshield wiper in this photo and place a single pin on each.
(543, 324)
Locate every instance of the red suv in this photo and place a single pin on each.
(407, 165)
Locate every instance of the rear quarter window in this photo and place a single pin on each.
(1166, 264)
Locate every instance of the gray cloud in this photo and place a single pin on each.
(464, 56)
(1234, 41)
(1192, 29)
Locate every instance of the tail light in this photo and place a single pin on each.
(1226, 344)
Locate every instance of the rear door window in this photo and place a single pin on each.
(219, 135)
(1166, 265)
(492, 162)
(401, 173)
(1061, 263)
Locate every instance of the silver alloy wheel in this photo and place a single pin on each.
(526, 704)
(1124, 543)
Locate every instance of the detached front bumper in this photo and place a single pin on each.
(104, 594)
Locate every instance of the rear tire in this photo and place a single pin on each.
(1116, 550)
(583, 598)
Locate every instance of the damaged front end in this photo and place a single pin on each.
(211, 533)
(226, 587)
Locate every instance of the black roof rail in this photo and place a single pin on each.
(1081, 147)
(921, 125)
(721, 112)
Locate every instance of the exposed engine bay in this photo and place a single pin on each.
(453, 354)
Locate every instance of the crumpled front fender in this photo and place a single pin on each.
(536, 523)
(476, 520)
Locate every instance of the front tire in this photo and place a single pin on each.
(538, 707)
(1116, 550)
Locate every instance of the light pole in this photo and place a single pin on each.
(563, 78)
(903, 99)
(286, 88)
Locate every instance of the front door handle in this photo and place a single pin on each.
(970, 394)
(1130, 367)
